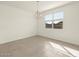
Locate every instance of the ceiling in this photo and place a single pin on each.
(32, 5)
(45, 5)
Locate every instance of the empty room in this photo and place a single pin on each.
(39, 28)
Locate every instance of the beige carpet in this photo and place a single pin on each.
(36, 46)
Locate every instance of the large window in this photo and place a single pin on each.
(48, 21)
(55, 19)
(58, 20)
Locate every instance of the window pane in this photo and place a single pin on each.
(58, 20)
(58, 15)
(48, 25)
(48, 17)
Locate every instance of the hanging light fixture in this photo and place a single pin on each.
(37, 9)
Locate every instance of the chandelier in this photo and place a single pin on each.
(37, 9)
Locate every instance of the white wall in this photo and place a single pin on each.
(15, 24)
(70, 31)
